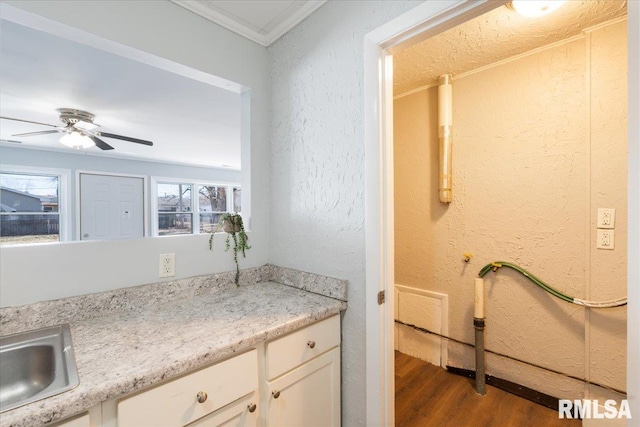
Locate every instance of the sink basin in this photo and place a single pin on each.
(35, 365)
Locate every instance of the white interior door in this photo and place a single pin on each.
(111, 207)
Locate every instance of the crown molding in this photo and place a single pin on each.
(300, 15)
(230, 24)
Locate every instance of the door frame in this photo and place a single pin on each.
(418, 24)
(145, 201)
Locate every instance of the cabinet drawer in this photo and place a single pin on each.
(77, 421)
(175, 403)
(284, 354)
(237, 414)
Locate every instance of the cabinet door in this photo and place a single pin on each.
(242, 413)
(307, 396)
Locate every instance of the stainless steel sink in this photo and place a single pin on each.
(35, 365)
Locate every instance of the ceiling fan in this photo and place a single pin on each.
(79, 130)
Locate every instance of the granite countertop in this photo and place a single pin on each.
(126, 351)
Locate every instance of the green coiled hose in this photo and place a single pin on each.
(556, 293)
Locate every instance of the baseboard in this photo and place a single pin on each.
(511, 387)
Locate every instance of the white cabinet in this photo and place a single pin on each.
(307, 396)
(242, 413)
(194, 396)
(77, 421)
(303, 387)
(292, 381)
(285, 353)
(91, 418)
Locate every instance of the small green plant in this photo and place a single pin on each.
(232, 224)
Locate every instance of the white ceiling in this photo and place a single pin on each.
(189, 121)
(494, 36)
(262, 21)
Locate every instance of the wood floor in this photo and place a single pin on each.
(427, 395)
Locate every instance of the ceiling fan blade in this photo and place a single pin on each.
(100, 143)
(124, 138)
(41, 132)
(27, 121)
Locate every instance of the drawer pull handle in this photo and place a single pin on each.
(311, 344)
(252, 407)
(276, 394)
(201, 397)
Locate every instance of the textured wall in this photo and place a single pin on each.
(498, 34)
(608, 188)
(317, 162)
(539, 145)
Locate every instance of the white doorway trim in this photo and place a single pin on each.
(424, 21)
(633, 215)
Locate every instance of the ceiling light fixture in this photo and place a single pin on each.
(535, 8)
(76, 140)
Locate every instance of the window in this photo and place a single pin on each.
(237, 206)
(176, 207)
(30, 208)
(213, 202)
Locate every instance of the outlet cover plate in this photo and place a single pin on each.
(167, 265)
(606, 218)
(605, 239)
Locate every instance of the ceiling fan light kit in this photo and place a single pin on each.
(79, 130)
(76, 140)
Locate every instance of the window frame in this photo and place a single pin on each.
(64, 198)
(195, 200)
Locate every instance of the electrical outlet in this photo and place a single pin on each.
(606, 218)
(605, 239)
(167, 265)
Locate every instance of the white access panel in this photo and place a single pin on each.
(427, 310)
(111, 207)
